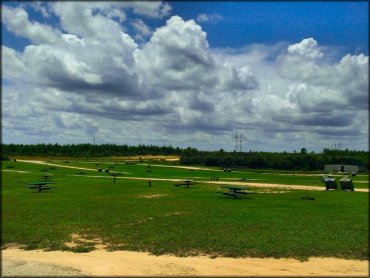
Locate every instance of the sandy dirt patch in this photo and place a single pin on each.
(78, 240)
(274, 185)
(14, 267)
(21, 172)
(173, 159)
(183, 167)
(150, 196)
(272, 192)
(124, 263)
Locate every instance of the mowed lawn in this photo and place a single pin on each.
(168, 171)
(163, 218)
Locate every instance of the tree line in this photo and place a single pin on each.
(190, 156)
(85, 150)
(274, 160)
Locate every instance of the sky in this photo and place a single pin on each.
(285, 75)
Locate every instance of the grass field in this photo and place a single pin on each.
(130, 215)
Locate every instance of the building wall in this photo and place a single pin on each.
(340, 167)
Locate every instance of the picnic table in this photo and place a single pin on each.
(235, 191)
(185, 182)
(40, 185)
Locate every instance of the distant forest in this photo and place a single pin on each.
(301, 160)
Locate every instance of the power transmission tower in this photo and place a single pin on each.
(236, 142)
(241, 142)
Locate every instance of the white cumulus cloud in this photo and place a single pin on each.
(209, 18)
(16, 20)
(307, 48)
(91, 78)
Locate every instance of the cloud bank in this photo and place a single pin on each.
(88, 76)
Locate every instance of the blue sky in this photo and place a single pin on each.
(285, 74)
(342, 24)
(331, 23)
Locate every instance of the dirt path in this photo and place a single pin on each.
(52, 164)
(185, 167)
(251, 184)
(123, 263)
(285, 186)
(21, 172)
(89, 169)
(254, 184)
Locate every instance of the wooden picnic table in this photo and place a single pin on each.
(235, 191)
(185, 182)
(40, 185)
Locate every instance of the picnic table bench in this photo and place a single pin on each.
(235, 191)
(40, 185)
(185, 182)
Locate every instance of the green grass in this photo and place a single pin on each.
(142, 170)
(182, 221)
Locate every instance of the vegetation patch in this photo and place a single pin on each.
(200, 221)
(299, 161)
